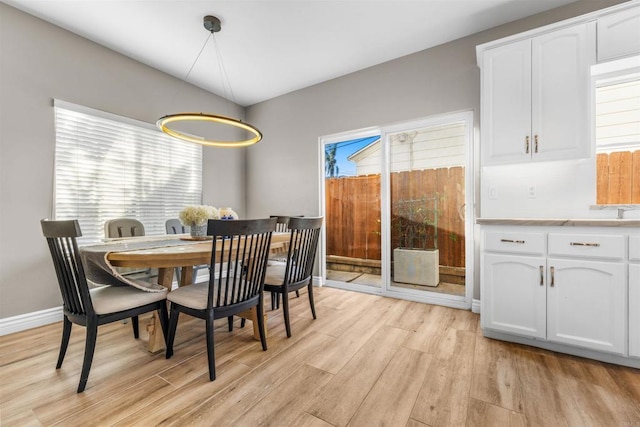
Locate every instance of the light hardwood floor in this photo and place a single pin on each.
(365, 361)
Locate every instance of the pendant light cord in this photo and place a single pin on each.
(223, 71)
(186, 77)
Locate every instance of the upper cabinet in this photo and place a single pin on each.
(535, 95)
(619, 34)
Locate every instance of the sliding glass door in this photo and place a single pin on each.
(397, 210)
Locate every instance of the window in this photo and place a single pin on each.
(107, 166)
(617, 132)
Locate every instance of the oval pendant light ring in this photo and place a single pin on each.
(202, 117)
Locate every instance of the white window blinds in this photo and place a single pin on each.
(107, 166)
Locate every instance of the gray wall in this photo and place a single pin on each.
(39, 62)
(434, 81)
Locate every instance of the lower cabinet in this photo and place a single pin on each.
(634, 310)
(515, 302)
(586, 304)
(561, 287)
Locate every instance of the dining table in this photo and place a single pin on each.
(164, 253)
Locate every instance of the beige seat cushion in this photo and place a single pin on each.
(112, 299)
(275, 275)
(194, 296)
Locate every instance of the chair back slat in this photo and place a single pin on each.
(240, 250)
(305, 233)
(61, 239)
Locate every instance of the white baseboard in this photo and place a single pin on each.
(26, 321)
(475, 306)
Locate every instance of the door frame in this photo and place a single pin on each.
(420, 296)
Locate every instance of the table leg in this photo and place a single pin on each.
(252, 314)
(156, 339)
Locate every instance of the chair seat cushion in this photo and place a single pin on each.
(112, 299)
(275, 275)
(193, 296)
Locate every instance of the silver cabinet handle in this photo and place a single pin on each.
(526, 144)
(553, 277)
(595, 245)
(511, 241)
(535, 139)
(542, 275)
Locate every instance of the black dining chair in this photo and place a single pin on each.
(92, 307)
(239, 255)
(298, 270)
(174, 226)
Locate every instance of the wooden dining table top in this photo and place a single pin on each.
(177, 255)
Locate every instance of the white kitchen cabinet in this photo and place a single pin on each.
(619, 34)
(535, 97)
(514, 296)
(634, 295)
(634, 310)
(586, 304)
(565, 288)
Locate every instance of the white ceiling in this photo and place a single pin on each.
(268, 47)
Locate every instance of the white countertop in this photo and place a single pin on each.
(561, 222)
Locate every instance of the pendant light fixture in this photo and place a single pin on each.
(211, 24)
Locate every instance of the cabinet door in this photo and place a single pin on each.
(619, 34)
(506, 103)
(513, 294)
(560, 93)
(634, 310)
(586, 304)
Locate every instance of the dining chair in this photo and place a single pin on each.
(123, 227)
(128, 227)
(298, 270)
(239, 254)
(174, 226)
(97, 306)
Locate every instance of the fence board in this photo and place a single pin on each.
(353, 212)
(618, 177)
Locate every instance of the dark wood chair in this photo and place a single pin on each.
(240, 250)
(298, 270)
(92, 307)
(174, 226)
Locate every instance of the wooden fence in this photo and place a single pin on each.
(353, 212)
(618, 178)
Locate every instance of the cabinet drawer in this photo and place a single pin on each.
(587, 245)
(514, 242)
(634, 247)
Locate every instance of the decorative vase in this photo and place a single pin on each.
(199, 231)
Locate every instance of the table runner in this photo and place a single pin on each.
(100, 272)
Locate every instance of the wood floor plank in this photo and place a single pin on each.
(468, 379)
(404, 375)
(170, 408)
(232, 402)
(481, 414)
(495, 378)
(346, 345)
(113, 409)
(337, 401)
(444, 396)
(284, 403)
(307, 420)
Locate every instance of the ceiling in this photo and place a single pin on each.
(269, 48)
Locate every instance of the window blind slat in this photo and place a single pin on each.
(105, 168)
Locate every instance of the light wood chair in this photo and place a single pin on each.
(92, 307)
